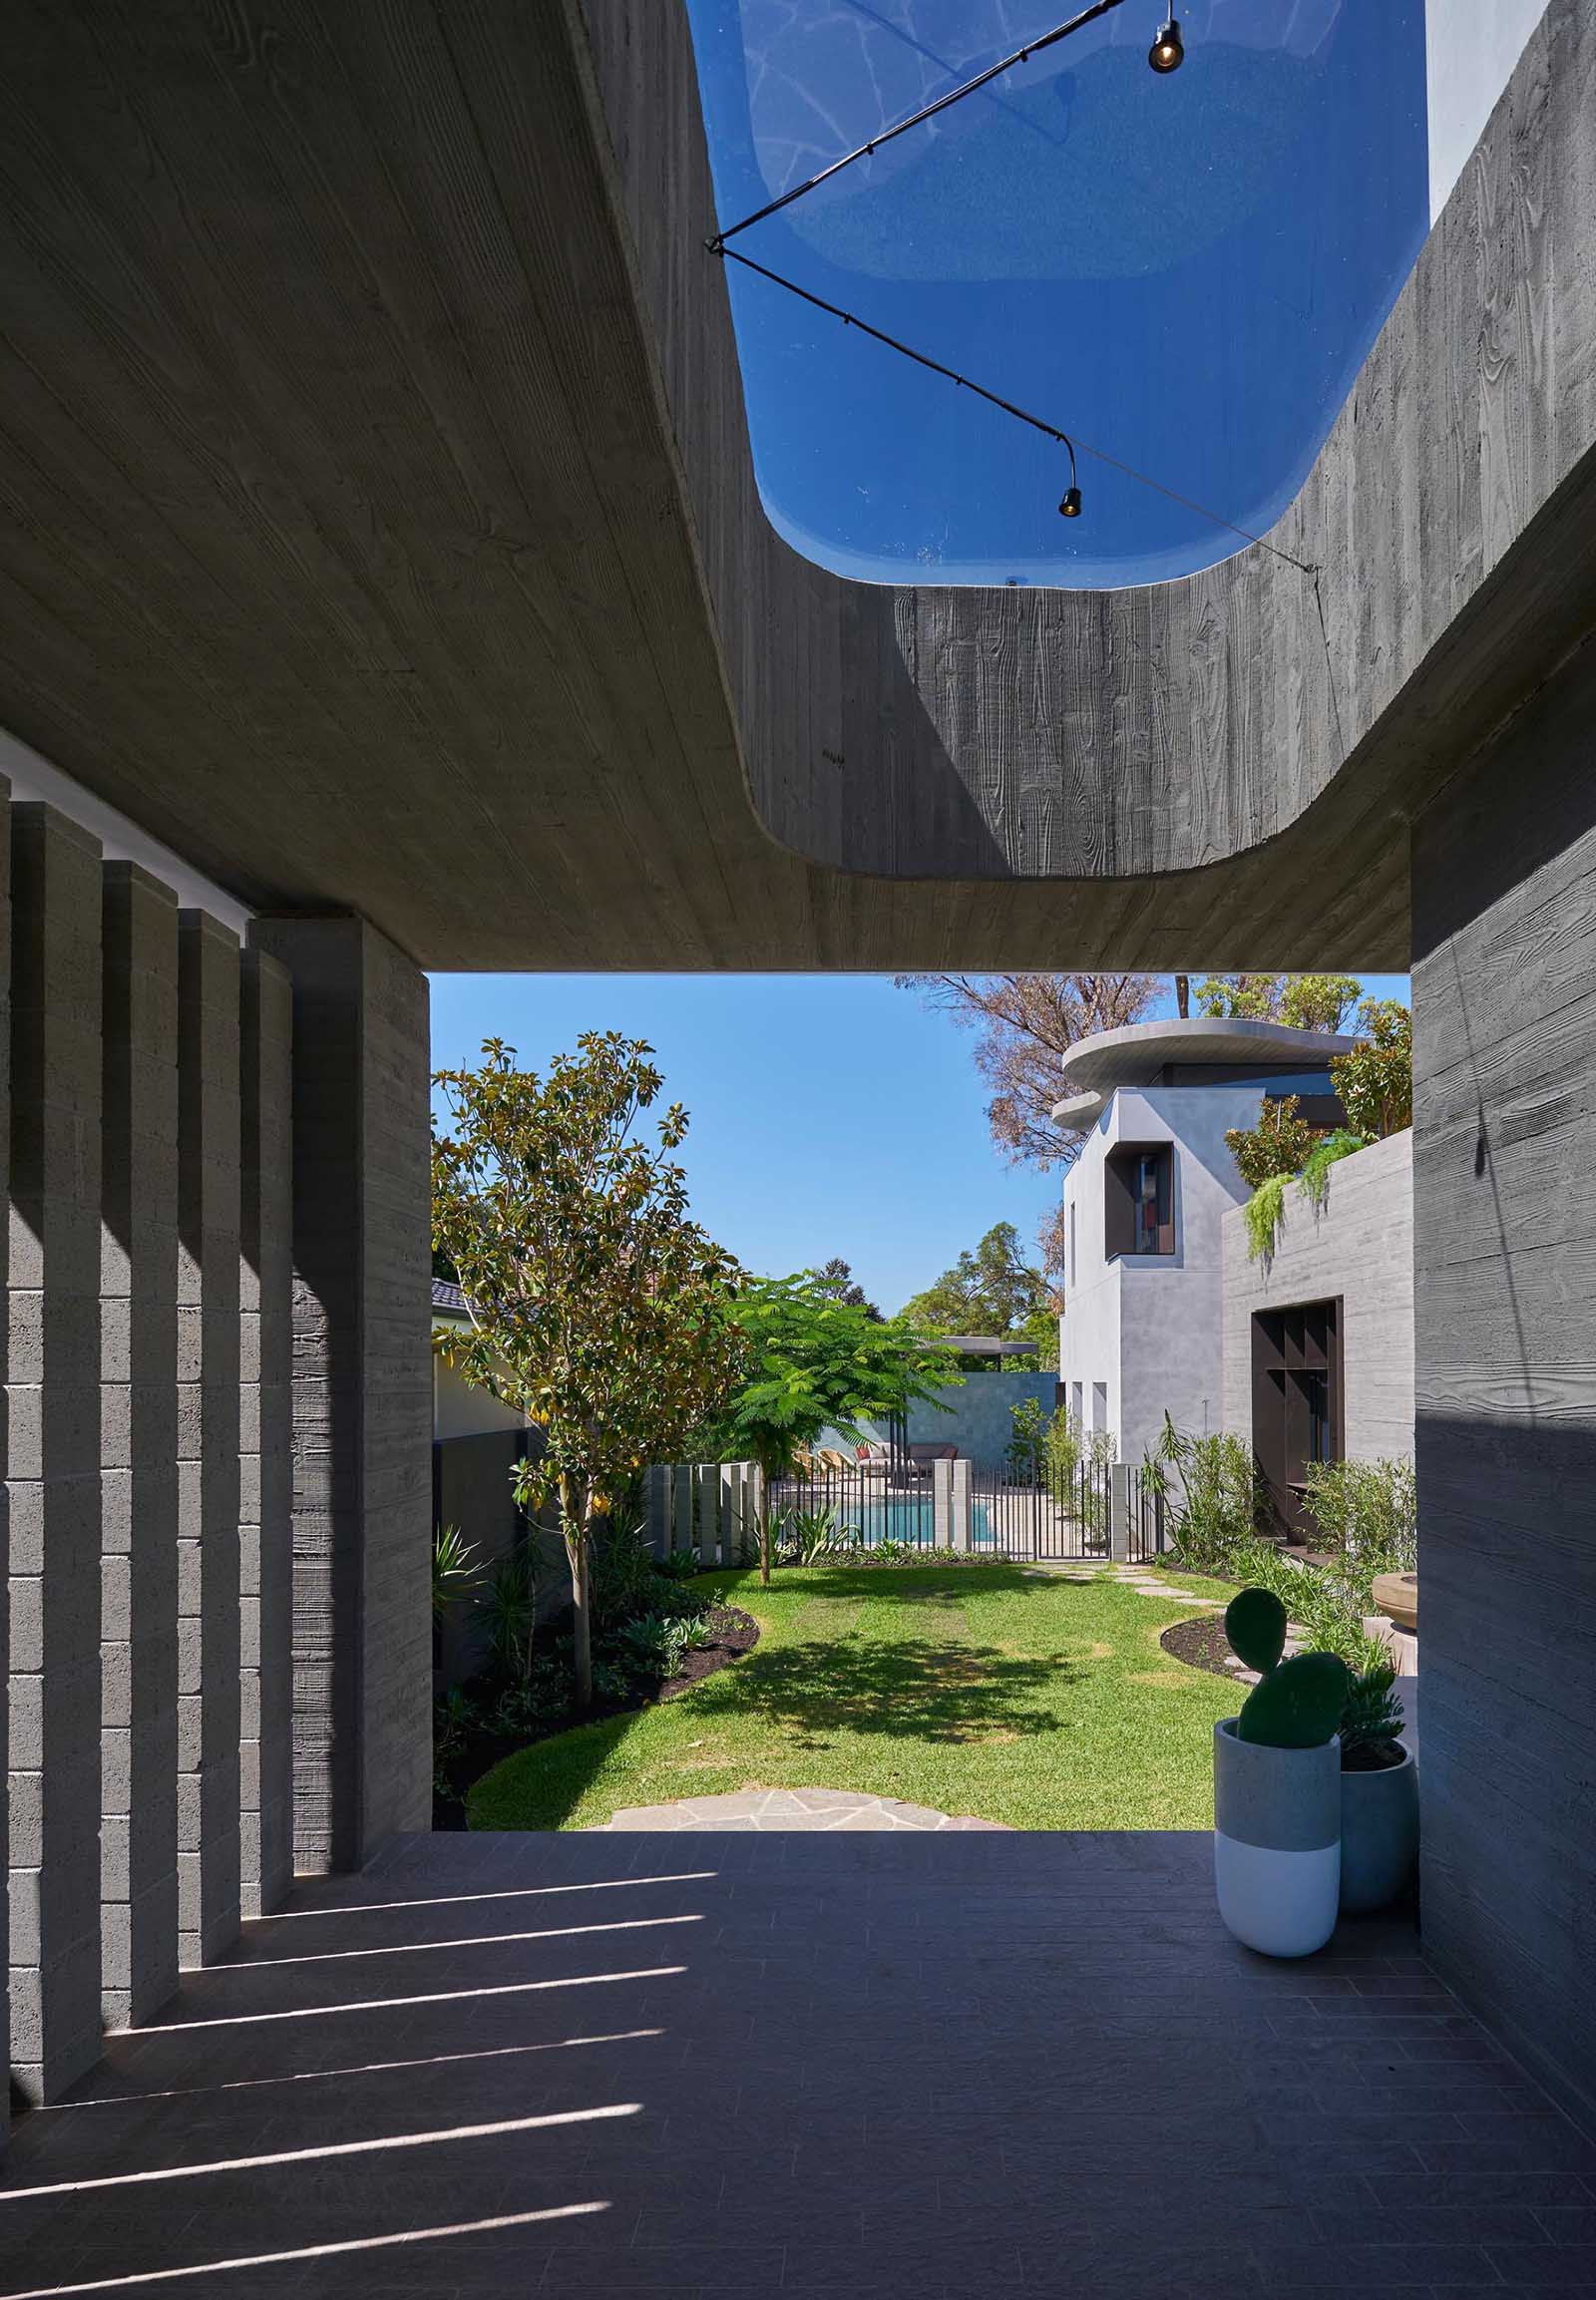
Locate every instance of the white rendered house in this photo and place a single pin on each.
(1143, 1323)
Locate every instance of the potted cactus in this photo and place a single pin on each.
(1278, 1788)
(1378, 1794)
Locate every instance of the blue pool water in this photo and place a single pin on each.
(909, 1517)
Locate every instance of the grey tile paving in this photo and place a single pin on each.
(904, 2060)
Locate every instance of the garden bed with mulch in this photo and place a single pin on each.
(735, 1633)
(1202, 1643)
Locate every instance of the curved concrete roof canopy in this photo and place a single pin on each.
(1096, 1067)
(382, 532)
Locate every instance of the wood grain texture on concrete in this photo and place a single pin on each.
(381, 532)
(932, 2065)
(1504, 1009)
(1357, 1249)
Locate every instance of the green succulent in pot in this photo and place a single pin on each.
(1276, 1788)
(1378, 1794)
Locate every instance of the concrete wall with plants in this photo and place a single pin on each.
(1358, 1247)
(976, 1415)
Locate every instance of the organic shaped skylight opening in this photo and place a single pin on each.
(1184, 271)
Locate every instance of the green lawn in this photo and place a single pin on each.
(1039, 1702)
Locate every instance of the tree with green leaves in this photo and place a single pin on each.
(1376, 1081)
(836, 1277)
(816, 1364)
(595, 1305)
(1301, 1001)
(993, 1290)
(1319, 1001)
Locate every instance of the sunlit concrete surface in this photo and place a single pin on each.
(753, 2064)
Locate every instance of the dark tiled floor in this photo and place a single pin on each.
(922, 2065)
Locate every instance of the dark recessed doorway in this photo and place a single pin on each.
(1297, 1405)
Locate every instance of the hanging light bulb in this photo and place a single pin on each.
(1070, 506)
(1168, 51)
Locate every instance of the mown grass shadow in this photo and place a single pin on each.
(908, 1688)
(946, 1690)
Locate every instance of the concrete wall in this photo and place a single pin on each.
(471, 1490)
(979, 1418)
(1359, 1248)
(1148, 1327)
(460, 1409)
(1504, 1009)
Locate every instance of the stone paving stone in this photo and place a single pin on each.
(873, 2066)
(805, 1810)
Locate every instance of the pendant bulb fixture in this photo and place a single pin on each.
(1070, 506)
(1168, 51)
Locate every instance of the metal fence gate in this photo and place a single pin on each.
(1035, 1511)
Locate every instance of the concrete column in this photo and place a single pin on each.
(265, 1430)
(362, 1384)
(657, 1489)
(139, 1446)
(207, 1437)
(941, 1504)
(681, 1503)
(708, 1476)
(54, 1463)
(962, 1515)
(1119, 1512)
(5, 1611)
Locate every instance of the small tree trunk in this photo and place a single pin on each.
(574, 1525)
(1183, 995)
(764, 1529)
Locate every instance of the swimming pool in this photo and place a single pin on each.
(911, 1517)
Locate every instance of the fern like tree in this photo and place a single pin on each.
(817, 1363)
(596, 1306)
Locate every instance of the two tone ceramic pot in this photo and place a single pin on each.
(1276, 1843)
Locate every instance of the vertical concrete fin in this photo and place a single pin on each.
(362, 1388)
(5, 1546)
(138, 1445)
(265, 1463)
(207, 1436)
(52, 1381)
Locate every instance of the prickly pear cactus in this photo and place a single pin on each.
(1255, 1623)
(1297, 1706)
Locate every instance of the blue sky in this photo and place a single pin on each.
(1185, 271)
(830, 1113)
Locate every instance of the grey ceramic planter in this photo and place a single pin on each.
(1276, 1843)
(1378, 1834)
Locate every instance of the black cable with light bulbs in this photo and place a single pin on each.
(1166, 55)
(1170, 33)
(1070, 505)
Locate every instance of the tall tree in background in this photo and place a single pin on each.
(835, 1279)
(596, 1306)
(993, 1290)
(1302, 1002)
(1024, 1024)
